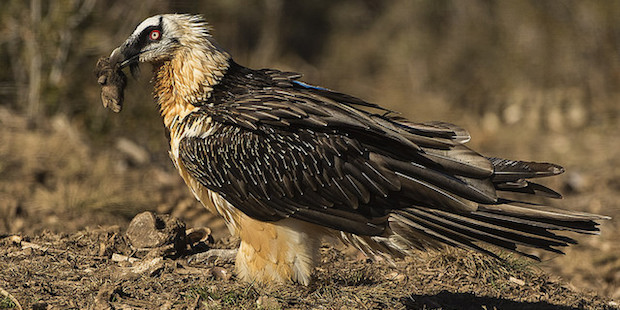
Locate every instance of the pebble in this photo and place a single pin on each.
(150, 230)
(267, 302)
(221, 273)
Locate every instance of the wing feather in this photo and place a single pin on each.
(279, 148)
(304, 170)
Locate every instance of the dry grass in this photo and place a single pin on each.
(76, 271)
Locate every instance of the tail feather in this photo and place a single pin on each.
(511, 176)
(465, 232)
(511, 233)
(542, 217)
(506, 232)
(467, 201)
(507, 224)
(526, 187)
(507, 170)
(435, 231)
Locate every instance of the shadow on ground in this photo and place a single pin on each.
(449, 300)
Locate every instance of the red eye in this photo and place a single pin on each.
(155, 35)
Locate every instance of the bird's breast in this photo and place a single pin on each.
(199, 127)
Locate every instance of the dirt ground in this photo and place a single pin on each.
(66, 205)
(97, 269)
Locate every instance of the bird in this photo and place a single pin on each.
(288, 164)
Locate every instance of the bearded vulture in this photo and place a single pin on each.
(286, 164)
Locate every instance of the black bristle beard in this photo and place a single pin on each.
(134, 68)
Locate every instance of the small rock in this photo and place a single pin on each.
(150, 230)
(221, 273)
(267, 302)
(15, 239)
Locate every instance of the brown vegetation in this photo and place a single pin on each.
(97, 269)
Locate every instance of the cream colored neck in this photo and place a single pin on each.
(186, 79)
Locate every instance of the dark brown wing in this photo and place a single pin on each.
(294, 150)
(276, 154)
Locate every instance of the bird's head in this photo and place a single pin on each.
(157, 39)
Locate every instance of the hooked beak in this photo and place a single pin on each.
(119, 57)
(124, 56)
(116, 56)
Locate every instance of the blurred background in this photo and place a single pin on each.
(532, 80)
